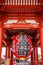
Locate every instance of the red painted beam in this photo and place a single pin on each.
(21, 26)
(5, 43)
(38, 42)
(21, 9)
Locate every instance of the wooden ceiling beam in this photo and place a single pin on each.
(23, 8)
(21, 26)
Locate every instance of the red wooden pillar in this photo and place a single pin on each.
(11, 62)
(11, 55)
(1, 40)
(41, 41)
(8, 51)
(35, 55)
(32, 58)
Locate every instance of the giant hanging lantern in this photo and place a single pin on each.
(22, 46)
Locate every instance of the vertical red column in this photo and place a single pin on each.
(41, 41)
(11, 62)
(32, 58)
(1, 40)
(8, 51)
(35, 55)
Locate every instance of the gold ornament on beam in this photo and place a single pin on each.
(21, 22)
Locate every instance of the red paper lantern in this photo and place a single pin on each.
(22, 45)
